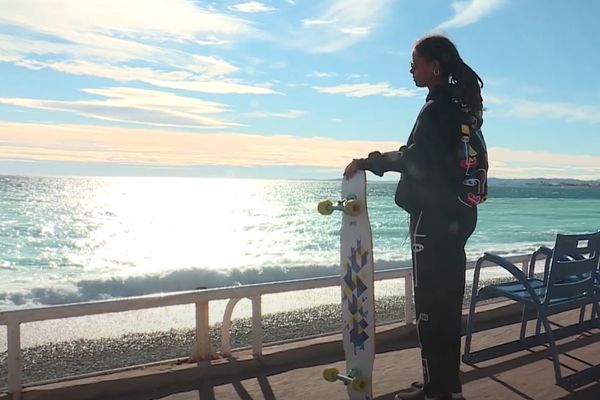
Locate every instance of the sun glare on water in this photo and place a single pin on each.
(158, 224)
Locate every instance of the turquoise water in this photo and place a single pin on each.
(75, 239)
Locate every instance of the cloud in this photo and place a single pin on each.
(139, 106)
(129, 40)
(287, 114)
(366, 89)
(318, 74)
(307, 23)
(508, 163)
(339, 25)
(73, 20)
(251, 7)
(468, 12)
(156, 147)
(205, 82)
(520, 108)
(357, 30)
(567, 111)
(355, 76)
(85, 143)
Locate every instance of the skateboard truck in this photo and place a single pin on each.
(353, 378)
(350, 206)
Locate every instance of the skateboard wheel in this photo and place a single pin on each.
(353, 207)
(325, 207)
(359, 384)
(330, 374)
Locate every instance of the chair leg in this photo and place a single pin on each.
(596, 312)
(523, 322)
(552, 344)
(582, 313)
(538, 325)
(471, 317)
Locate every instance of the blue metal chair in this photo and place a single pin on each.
(568, 282)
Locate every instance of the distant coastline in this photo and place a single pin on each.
(545, 182)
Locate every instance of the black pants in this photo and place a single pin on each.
(438, 252)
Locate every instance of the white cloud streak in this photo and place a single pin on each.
(468, 12)
(340, 25)
(318, 74)
(85, 143)
(519, 108)
(286, 114)
(251, 7)
(366, 89)
(138, 106)
(508, 163)
(155, 20)
(125, 40)
(567, 111)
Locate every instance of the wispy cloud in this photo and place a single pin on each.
(85, 143)
(468, 12)
(366, 89)
(128, 40)
(318, 74)
(200, 77)
(567, 111)
(286, 114)
(251, 7)
(307, 23)
(509, 163)
(138, 106)
(73, 20)
(357, 30)
(355, 76)
(339, 25)
(156, 147)
(520, 108)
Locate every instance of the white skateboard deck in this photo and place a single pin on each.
(358, 307)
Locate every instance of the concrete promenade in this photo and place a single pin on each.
(293, 371)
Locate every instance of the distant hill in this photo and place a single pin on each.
(554, 182)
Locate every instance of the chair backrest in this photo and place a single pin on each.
(575, 261)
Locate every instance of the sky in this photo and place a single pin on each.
(285, 88)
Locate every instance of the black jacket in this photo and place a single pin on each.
(443, 161)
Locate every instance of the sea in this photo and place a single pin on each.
(75, 239)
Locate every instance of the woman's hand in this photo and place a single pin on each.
(354, 165)
(351, 169)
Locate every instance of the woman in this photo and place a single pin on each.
(443, 178)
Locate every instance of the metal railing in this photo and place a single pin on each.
(202, 350)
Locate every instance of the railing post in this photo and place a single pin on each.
(202, 349)
(257, 328)
(226, 326)
(408, 299)
(15, 361)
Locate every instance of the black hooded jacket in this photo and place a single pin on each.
(444, 163)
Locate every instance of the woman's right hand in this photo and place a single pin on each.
(351, 169)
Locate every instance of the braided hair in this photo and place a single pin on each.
(465, 83)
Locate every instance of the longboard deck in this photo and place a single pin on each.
(358, 307)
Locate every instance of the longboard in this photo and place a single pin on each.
(358, 308)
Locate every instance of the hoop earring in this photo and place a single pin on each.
(436, 72)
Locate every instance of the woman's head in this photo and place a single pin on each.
(435, 60)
